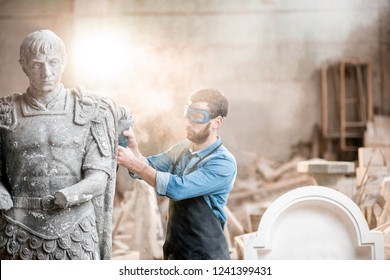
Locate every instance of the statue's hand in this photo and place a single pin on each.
(70, 196)
(60, 200)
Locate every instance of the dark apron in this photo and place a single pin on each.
(194, 232)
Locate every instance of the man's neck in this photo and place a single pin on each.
(200, 146)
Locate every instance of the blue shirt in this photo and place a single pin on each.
(213, 178)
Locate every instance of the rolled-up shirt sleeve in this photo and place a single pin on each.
(162, 181)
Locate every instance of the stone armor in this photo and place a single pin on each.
(44, 151)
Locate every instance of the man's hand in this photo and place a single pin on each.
(128, 159)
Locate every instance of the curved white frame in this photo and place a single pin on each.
(261, 239)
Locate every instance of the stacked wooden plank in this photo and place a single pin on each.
(377, 133)
(374, 166)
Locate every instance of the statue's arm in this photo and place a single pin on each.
(5, 198)
(93, 184)
(98, 156)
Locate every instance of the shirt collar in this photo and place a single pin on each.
(206, 150)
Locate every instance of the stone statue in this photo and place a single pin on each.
(58, 151)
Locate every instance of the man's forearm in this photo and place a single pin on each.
(146, 172)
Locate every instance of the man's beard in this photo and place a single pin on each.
(201, 136)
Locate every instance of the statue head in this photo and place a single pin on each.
(41, 41)
(43, 59)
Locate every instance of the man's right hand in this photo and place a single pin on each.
(128, 159)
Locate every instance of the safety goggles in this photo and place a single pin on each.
(197, 115)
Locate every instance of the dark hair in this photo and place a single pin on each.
(216, 100)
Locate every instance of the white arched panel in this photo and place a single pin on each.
(313, 222)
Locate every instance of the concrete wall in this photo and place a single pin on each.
(264, 54)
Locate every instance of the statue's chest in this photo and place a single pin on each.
(56, 131)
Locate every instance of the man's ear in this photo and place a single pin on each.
(217, 122)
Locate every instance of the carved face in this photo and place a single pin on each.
(45, 70)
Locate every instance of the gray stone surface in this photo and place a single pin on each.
(58, 162)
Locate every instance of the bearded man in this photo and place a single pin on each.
(197, 175)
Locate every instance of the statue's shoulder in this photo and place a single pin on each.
(7, 111)
(90, 106)
(86, 105)
(11, 97)
(100, 113)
